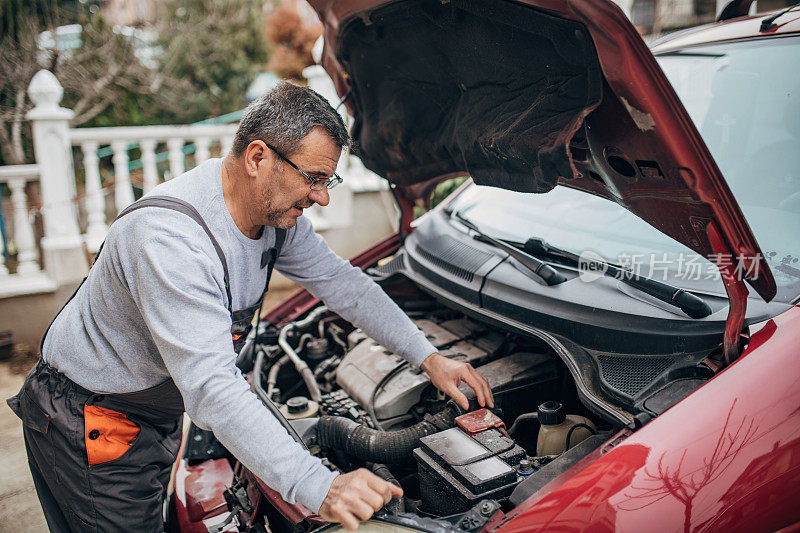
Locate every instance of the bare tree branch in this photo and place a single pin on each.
(95, 90)
(93, 111)
(685, 486)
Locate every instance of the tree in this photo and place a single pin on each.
(98, 75)
(215, 45)
(291, 43)
(17, 67)
(106, 71)
(684, 484)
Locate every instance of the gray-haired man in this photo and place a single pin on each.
(149, 332)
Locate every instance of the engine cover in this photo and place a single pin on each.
(366, 364)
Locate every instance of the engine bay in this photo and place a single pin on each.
(356, 404)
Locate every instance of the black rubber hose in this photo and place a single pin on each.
(572, 429)
(520, 419)
(395, 505)
(388, 447)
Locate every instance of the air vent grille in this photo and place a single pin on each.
(453, 256)
(631, 374)
(392, 267)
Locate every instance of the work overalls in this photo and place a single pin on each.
(102, 462)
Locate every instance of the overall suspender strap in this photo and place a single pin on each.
(176, 204)
(275, 253)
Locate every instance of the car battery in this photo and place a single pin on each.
(457, 470)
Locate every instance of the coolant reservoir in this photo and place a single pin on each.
(556, 425)
(299, 407)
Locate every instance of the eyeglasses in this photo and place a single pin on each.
(316, 184)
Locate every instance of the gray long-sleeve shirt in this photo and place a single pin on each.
(154, 307)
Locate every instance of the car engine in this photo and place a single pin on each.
(378, 379)
(356, 404)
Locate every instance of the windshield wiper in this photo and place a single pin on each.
(548, 274)
(689, 303)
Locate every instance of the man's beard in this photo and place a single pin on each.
(276, 217)
(285, 223)
(279, 218)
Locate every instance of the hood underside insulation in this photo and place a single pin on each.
(493, 91)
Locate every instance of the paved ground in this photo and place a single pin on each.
(19, 507)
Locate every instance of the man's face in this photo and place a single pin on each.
(283, 192)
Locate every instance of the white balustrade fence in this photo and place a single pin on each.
(75, 212)
(148, 139)
(28, 276)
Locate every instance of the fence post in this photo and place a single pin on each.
(23, 232)
(96, 227)
(62, 247)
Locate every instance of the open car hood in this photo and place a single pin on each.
(526, 95)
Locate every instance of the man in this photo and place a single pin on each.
(149, 332)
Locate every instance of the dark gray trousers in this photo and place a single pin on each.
(124, 489)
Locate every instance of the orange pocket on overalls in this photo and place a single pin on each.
(108, 434)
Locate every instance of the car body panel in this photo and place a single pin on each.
(197, 493)
(638, 148)
(734, 464)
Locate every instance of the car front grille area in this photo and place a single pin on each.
(630, 375)
(453, 256)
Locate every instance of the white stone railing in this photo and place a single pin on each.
(76, 216)
(65, 248)
(27, 277)
(147, 139)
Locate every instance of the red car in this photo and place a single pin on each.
(641, 340)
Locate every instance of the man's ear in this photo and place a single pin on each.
(255, 154)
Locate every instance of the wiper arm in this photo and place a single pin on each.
(689, 303)
(549, 275)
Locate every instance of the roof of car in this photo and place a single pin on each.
(734, 29)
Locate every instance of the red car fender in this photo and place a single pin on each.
(726, 458)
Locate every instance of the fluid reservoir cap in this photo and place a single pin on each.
(551, 413)
(525, 468)
(298, 404)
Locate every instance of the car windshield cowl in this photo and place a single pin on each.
(694, 306)
(544, 271)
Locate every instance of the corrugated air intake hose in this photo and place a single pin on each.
(388, 447)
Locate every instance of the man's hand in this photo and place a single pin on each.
(447, 374)
(355, 496)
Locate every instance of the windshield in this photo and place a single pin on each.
(744, 98)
